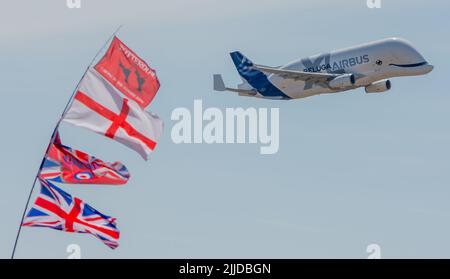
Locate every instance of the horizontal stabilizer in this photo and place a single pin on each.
(219, 85)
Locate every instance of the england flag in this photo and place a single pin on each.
(100, 107)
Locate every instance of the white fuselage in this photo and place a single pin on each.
(368, 62)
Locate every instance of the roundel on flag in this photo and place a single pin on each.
(83, 176)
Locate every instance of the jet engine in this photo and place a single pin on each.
(342, 81)
(379, 86)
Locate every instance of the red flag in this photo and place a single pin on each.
(66, 165)
(128, 73)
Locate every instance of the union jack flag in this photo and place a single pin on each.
(58, 210)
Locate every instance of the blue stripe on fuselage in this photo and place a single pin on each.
(255, 78)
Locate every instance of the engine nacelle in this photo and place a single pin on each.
(379, 86)
(342, 81)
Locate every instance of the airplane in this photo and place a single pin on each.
(368, 65)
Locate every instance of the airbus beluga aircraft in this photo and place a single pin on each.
(369, 65)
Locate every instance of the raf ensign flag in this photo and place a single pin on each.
(128, 73)
(99, 107)
(66, 165)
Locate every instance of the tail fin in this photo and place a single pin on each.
(255, 78)
(243, 65)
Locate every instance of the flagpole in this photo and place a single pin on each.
(52, 139)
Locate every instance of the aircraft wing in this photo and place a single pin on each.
(297, 75)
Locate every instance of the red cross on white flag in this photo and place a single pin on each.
(99, 107)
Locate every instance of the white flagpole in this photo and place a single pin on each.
(54, 136)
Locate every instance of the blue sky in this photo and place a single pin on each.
(352, 169)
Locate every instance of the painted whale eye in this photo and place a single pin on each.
(379, 62)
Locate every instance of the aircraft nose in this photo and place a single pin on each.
(428, 68)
